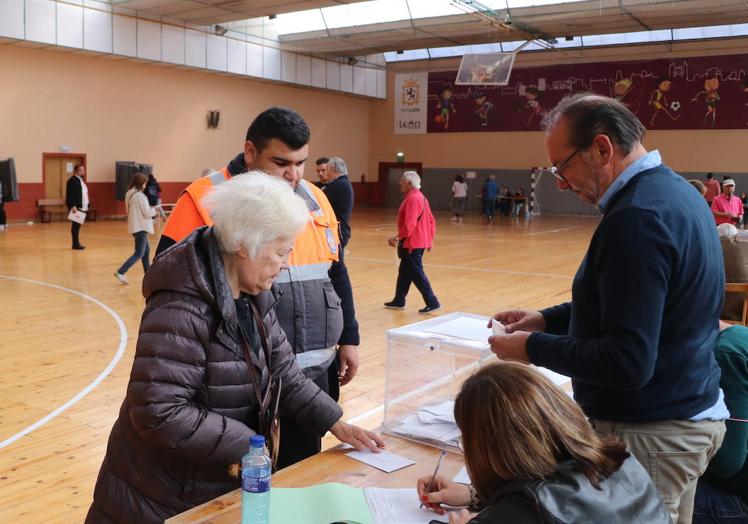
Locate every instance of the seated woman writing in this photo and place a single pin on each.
(212, 366)
(533, 457)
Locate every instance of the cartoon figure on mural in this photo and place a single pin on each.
(621, 89)
(484, 107)
(658, 100)
(445, 106)
(531, 94)
(711, 98)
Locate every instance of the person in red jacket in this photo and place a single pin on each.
(415, 233)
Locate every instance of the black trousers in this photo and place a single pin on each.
(297, 441)
(411, 272)
(75, 228)
(2, 213)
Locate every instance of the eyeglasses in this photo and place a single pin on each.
(558, 172)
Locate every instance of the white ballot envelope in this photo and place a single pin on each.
(76, 215)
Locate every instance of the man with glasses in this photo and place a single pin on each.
(637, 338)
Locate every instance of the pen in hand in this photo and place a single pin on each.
(436, 470)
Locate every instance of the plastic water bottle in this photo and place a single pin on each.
(256, 469)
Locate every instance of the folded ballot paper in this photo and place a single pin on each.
(434, 424)
(333, 502)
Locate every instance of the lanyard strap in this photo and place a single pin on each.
(269, 399)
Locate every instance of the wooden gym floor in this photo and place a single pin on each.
(68, 331)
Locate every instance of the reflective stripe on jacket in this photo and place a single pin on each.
(309, 310)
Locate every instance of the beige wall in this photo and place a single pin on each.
(114, 109)
(712, 150)
(122, 110)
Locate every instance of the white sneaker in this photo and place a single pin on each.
(122, 278)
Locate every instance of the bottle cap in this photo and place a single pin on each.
(256, 441)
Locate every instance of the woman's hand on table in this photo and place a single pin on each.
(360, 438)
(442, 491)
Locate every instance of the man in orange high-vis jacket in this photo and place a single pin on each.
(315, 305)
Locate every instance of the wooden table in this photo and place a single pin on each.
(331, 466)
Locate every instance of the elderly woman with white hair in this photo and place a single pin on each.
(212, 366)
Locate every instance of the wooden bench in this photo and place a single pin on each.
(47, 206)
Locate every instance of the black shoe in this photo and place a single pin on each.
(79, 247)
(394, 305)
(429, 309)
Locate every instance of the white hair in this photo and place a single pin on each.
(413, 178)
(727, 231)
(337, 165)
(252, 209)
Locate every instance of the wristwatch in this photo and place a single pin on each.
(475, 503)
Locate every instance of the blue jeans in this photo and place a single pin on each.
(714, 506)
(142, 252)
(488, 206)
(411, 271)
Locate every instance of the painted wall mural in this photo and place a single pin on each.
(683, 93)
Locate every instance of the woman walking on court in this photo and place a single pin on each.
(459, 198)
(139, 223)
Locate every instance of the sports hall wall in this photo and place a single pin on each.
(112, 109)
(445, 154)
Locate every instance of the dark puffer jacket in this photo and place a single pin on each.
(567, 497)
(190, 407)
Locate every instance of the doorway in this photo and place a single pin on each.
(56, 169)
(389, 180)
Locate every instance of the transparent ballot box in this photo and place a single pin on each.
(427, 362)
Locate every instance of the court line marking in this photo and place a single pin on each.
(571, 228)
(85, 391)
(463, 268)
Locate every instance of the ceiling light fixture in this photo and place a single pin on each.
(220, 30)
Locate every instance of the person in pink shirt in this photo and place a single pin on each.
(727, 208)
(416, 227)
(712, 188)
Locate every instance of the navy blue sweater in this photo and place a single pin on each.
(340, 194)
(638, 336)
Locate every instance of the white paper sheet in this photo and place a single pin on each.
(443, 432)
(463, 327)
(400, 506)
(462, 476)
(386, 461)
(444, 412)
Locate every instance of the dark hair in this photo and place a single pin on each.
(322, 160)
(77, 167)
(460, 179)
(698, 185)
(710, 175)
(278, 122)
(138, 180)
(512, 402)
(589, 115)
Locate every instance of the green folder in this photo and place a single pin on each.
(320, 504)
